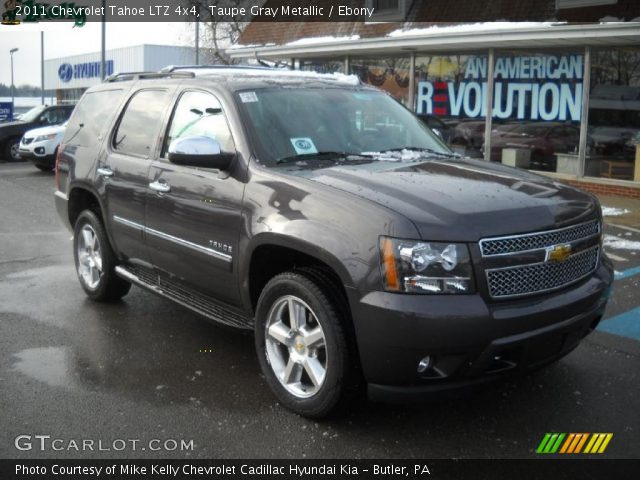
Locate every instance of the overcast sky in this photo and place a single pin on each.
(62, 39)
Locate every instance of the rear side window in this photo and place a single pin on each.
(140, 123)
(91, 117)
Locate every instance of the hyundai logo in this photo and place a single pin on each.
(65, 72)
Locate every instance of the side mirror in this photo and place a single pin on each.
(199, 151)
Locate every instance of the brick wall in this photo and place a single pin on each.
(605, 188)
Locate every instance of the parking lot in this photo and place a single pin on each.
(148, 369)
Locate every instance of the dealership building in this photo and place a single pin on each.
(70, 76)
(560, 94)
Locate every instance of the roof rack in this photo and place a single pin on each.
(176, 68)
(122, 76)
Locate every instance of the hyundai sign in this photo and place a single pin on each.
(6, 111)
(67, 72)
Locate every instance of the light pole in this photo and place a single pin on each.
(13, 88)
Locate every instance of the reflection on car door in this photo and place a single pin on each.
(125, 169)
(194, 215)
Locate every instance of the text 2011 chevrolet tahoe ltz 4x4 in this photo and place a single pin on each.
(325, 216)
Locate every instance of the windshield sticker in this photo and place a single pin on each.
(303, 145)
(248, 97)
(362, 96)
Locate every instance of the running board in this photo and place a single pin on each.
(193, 300)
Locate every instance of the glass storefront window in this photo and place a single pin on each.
(537, 110)
(388, 73)
(450, 98)
(323, 65)
(614, 114)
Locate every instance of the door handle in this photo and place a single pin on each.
(160, 187)
(105, 171)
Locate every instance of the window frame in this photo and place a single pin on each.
(162, 154)
(114, 130)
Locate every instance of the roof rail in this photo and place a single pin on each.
(122, 76)
(176, 68)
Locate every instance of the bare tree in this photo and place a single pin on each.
(220, 28)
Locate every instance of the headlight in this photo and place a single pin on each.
(43, 138)
(425, 267)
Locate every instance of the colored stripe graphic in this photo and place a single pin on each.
(550, 443)
(574, 443)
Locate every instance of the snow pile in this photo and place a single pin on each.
(614, 212)
(277, 73)
(320, 40)
(617, 243)
(470, 27)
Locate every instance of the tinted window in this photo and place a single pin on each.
(54, 116)
(91, 117)
(139, 125)
(200, 114)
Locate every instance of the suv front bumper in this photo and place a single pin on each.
(468, 340)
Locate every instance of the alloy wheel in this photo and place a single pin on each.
(296, 346)
(89, 257)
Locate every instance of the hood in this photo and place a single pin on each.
(50, 130)
(13, 123)
(463, 200)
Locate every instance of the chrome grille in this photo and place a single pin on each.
(534, 241)
(539, 277)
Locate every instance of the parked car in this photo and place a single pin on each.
(438, 127)
(246, 196)
(40, 146)
(12, 132)
(543, 139)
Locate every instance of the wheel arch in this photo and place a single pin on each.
(291, 254)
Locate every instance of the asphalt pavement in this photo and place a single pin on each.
(146, 369)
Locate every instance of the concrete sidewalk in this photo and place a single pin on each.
(621, 210)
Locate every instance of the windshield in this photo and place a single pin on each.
(298, 122)
(32, 114)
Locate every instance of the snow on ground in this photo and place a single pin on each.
(614, 212)
(611, 241)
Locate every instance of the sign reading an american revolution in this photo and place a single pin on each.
(526, 88)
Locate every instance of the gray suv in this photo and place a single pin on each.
(326, 217)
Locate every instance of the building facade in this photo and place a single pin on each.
(560, 94)
(70, 76)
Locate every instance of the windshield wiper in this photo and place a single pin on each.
(430, 151)
(324, 155)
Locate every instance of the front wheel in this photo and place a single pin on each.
(302, 344)
(95, 260)
(11, 152)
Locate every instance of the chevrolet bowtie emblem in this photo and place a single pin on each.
(558, 253)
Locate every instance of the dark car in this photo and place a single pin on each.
(41, 116)
(542, 139)
(438, 127)
(248, 196)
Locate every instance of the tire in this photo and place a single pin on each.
(11, 150)
(95, 261)
(311, 369)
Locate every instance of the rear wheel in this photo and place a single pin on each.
(302, 344)
(95, 260)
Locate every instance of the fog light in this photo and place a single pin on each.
(424, 364)
(40, 150)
